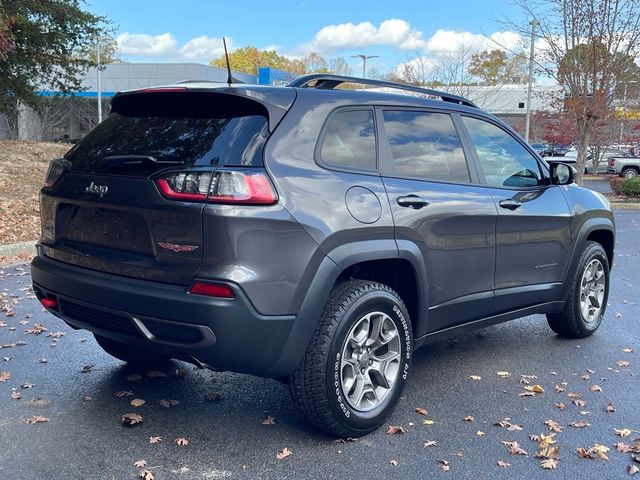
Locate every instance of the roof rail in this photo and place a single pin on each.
(329, 82)
(198, 81)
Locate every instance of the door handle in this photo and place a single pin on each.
(412, 201)
(510, 204)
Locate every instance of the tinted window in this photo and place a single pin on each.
(503, 160)
(148, 132)
(425, 145)
(350, 141)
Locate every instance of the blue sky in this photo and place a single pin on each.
(190, 30)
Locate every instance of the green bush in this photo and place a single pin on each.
(631, 187)
(615, 183)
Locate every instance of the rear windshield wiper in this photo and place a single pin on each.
(119, 161)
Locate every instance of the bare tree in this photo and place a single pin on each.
(586, 46)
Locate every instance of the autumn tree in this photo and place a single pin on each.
(314, 63)
(495, 67)
(339, 66)
(588, 45)
(250, 59)
(38, 42)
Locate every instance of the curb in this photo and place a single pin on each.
(17, 248)
(625, 206)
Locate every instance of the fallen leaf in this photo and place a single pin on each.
(633, 469)
(580, 424)
(269, 420)
(468, 418)
(574, 395)
(627, 350)
(601, 451)
(395, 430)
(131, 419)
(37, 329)
(527, 394)
(146, 475)
(393, 462)
(428, 422)
(16, 394)
(284, 453)
(43, 360)
(155, 439)
(534, 388)
(623, 447)
(503, 464)
(87, 368)
(623, 432)
(618, 315)
(27, 385)
(430, 443)
(504, 374)
(480, 433)
(588, 454)
(596, 388)
(475, 377)
(579, 403)
(168, 403)
(559, 388)
(140, 464)
(549, 463)
(553, 426)
(4, 376)
(611, 408)
(622, 363)
(137, 402)
(560, 405)
(444, 464)
(514, 448)
(585, 376)
(36, 419)
(422, 411)
(181, 441)
(123, 393)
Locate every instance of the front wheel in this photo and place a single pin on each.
(356, 365)
(587, 300)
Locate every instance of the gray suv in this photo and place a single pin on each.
(313, 234)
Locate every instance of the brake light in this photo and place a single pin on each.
(223, 186)
(55, 171)
(212, 290)
(612, 162)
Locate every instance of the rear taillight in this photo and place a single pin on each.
(248, 187)
(612, 162)
(55, 171)
(212, 290)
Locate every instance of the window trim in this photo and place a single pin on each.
(386, 157)
(544, 170)
(317, 155)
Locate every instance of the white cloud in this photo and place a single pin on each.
(449, 41)
(394, 32)
(165, 47)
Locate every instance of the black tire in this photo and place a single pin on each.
(316, 385)
(570, 322)
(129, 354)
(629, 172)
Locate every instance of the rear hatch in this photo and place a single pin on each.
(128, 198)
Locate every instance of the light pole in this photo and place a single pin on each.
(364, 62)
(624, 107)
(533, 24)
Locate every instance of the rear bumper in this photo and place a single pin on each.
(220, 333)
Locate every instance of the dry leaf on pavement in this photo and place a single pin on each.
(181, 441)
(36, 419)
(269, 420)
(422, 411)
(137, 402)
(131, 419)
(395, 430)
(284, 453)
(140, 463)
(155, 439)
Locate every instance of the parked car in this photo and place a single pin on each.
(571, 158)
(539, 148)
(625, 165)
(314, 235)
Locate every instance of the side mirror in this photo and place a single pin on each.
(562, 174)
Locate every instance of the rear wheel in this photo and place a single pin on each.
(587, 300)
(629, 172)
(356, 365)
(129, 354)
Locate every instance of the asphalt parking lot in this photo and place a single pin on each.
(62, 376)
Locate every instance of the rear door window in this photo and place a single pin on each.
(148, 132)
(425, 145)
(349, 140)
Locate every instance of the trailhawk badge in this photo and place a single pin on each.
(178, 248)
(99, 190)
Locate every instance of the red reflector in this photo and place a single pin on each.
(49, 302)
(212, 290)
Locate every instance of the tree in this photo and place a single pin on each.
(314, 63)
(109, 52)
(588, 46)
(495, 67)
(339, 66)
(37, 44)
(249, 59)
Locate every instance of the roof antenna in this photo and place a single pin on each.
(230, 78)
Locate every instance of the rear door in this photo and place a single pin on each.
(533, 233)
(131, 197)
(437, 205)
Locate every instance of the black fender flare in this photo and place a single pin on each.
(330, 268)
(588, 227)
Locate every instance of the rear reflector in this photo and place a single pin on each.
(49, 302)
(212, 290)
(55, 171)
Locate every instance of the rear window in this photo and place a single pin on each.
(150, 131)
(350, 141)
